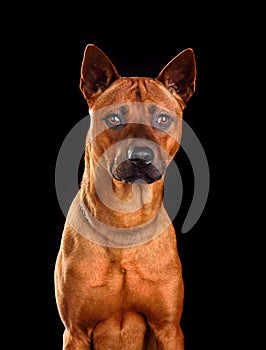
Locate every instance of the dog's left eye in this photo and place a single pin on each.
(113, 120)
(163, 121)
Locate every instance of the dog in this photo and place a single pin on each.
(118, 275)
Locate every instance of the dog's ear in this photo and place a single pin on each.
(179, 75)
(97, 73)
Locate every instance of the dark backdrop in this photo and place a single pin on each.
(141, 44)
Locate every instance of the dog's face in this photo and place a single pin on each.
(134, 141)
(136, 123)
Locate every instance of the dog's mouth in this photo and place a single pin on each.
(130, 171)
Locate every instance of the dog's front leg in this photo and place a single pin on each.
(77, 340)
(169, 337)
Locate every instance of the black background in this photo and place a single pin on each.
(140, 44)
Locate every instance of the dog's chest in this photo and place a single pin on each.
(126, 279)
(123, 269)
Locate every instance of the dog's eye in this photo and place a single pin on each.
(113, 120)
(163, 121)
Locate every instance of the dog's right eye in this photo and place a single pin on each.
(113, 120)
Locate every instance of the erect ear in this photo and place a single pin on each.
(179, 75)
(97, 73)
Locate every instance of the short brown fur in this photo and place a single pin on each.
(124, 298)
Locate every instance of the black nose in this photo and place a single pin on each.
(140, 156)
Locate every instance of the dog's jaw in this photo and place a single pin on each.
(121, 203)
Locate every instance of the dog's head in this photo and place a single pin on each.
(136, 122)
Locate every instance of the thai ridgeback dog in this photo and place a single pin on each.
(118, 275)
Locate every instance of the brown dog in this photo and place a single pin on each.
(118, 277)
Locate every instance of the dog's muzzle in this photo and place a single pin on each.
(141, 164)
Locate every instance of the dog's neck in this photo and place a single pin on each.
(94, 230)
(120, 204)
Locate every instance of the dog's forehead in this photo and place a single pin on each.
(138, 89)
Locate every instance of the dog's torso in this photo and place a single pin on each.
(118, 290)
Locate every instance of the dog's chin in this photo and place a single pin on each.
(127, 173)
